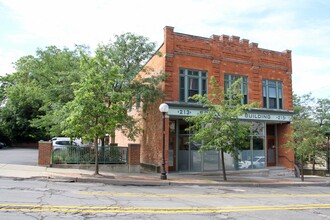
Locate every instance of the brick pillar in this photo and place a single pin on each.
(45, 153)
(133, 159)
(285, 155)
(133, 154)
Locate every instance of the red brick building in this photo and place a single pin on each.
(190, 61)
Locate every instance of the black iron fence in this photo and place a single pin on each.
(86, 155)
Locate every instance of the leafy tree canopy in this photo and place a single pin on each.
(104, 95)
(219, 128)
(309, 124)
(54, 77)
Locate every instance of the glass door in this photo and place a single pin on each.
(172, 147)
(271, 145)
(183, 157)
(183, 146)
(271, 152)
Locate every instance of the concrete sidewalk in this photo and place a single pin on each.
(153, 179)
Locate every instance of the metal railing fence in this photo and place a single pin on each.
(86, 155)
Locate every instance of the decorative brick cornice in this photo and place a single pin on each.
(169, 55)
(274, 67)
(235, 61)
(193, 54)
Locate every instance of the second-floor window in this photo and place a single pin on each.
(243, 87)
(272, 94)
(192, 82)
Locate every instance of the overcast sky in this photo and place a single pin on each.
(302, 26)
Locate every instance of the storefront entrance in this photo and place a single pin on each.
(184, 154)
(264, 148)
(271, 145)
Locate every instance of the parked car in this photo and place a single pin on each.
(75, 141)
(62, 142)
(2, 145)
(258, 162)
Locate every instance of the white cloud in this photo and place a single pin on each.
(7, 57)
(66, 22)
(311, 74)
(279, 26)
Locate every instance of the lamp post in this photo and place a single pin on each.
(163, 108)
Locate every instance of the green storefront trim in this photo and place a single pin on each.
(256, 114)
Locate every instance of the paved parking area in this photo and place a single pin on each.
(20, 156)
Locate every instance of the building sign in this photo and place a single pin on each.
(266, 117)
(185, 112)
(251, 115)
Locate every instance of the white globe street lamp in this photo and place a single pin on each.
(163, 108)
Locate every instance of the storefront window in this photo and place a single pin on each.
(211, 160)
(195, 157)
(258, 146)
(257, 129)
(250, 156)
(253, 156)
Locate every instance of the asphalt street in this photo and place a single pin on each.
(53, 199)
(33, 192)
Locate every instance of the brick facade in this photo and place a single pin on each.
(217, 55)
(285, 155)
(224, 54)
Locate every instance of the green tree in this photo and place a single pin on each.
(306, 137)
(96, 109)
(22, 104)
(33, 96)
(130, 52)
(52, 75)
(322, 113)
(55, 70)
(219, 128)
(109, 87)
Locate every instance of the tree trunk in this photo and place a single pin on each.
(302, 169)
(236, 165)
(313, 169)
(96, 156)
(102, 154)
(223, 166)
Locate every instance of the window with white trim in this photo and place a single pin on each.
(192, 82)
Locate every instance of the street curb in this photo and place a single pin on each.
(139, 182)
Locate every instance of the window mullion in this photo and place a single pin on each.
(242, 91)
(267, 94)
(186, 86)
(277, 96)
(200, 87)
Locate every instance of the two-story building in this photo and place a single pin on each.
(190, 61)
